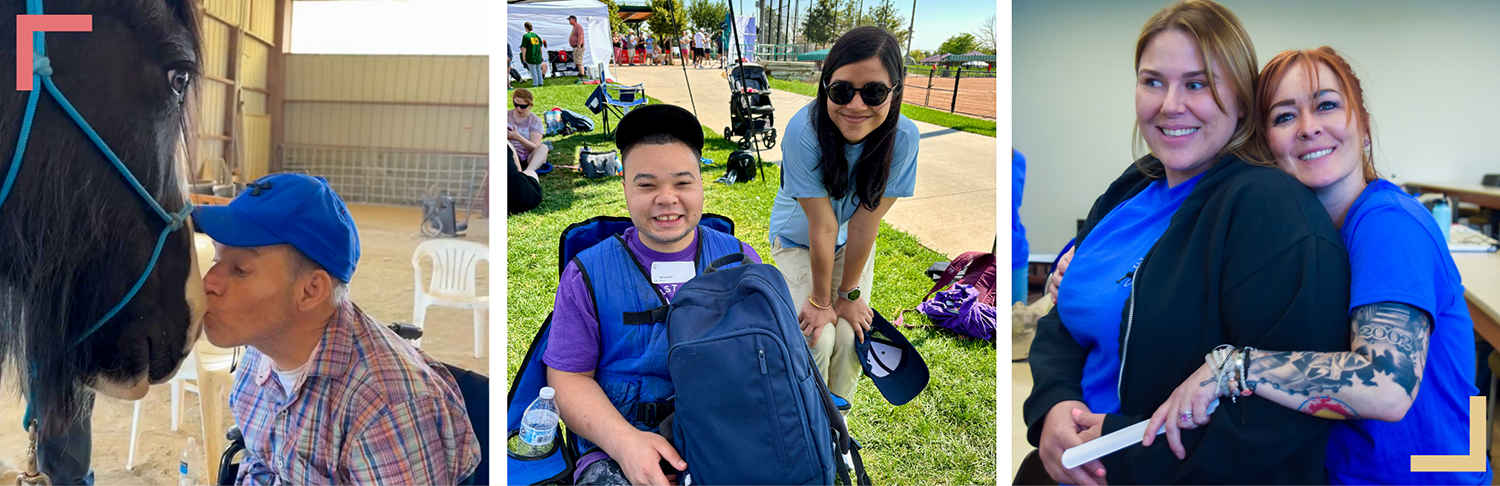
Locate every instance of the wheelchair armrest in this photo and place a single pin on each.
(406, 331)
(228, 467)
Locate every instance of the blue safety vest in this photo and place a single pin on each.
(632, 315)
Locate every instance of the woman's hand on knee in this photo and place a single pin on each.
(812, 320)
(857, 313)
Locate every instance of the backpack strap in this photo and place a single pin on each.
(983, 280)
(959, 264)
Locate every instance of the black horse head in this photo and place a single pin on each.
(74, 235)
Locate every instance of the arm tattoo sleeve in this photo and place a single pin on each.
(1389, 339)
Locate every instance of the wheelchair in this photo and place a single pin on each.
(474, 387)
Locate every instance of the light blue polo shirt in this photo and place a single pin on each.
(802, 177)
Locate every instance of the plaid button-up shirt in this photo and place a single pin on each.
(370, 409)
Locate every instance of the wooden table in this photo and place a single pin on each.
(1481, 278)
(1484, 196)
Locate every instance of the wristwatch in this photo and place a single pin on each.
(852, 295)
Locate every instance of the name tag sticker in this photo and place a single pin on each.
(671, 272)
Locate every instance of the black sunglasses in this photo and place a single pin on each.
(874, 94)
(522, 107)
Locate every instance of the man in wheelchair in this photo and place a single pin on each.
(324, 394)
(607, 351)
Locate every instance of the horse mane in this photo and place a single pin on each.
(72, 229)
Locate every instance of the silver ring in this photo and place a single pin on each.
(1185, 416)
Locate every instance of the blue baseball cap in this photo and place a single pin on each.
(294, 209)
(891, 362)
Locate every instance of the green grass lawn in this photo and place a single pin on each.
(945, 436)
(919, 113)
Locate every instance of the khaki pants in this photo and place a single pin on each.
(834, 352)
(578, 61)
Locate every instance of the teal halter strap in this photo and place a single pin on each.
(41, 68)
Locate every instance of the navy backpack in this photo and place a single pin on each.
(751, 407)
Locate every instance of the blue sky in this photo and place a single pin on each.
(937, 20)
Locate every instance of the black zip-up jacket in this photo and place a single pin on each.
(1249, 259)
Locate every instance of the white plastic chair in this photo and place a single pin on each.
(455, 266)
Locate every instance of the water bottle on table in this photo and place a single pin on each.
(1444, 216)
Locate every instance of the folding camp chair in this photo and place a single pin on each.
(555, 464)
(619, 99)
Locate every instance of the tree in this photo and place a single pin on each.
(959, 44)
(987, 36)
(769, 23)
(668, 19)
(884, 16)
(821, 26)
(918, 54)
(850, 16)
(707, 14)
(616, 24)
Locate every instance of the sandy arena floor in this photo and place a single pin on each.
(382, 287)
(976, 96)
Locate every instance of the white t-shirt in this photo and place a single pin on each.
(289, 378)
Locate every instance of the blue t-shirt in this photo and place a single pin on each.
(1092, 297)
(1397, 254)
(1019, 250)
(802, 177)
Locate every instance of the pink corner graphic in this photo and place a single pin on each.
(29, 24)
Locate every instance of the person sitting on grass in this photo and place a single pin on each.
(524, 131)
(594, 357)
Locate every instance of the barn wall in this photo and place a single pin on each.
(226, 56)
(386, 129)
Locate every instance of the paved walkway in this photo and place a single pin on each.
(953, 208)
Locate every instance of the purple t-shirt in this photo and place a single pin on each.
(573, 344)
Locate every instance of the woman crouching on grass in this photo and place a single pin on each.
(848, 155)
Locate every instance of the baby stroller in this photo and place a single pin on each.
(752, 118)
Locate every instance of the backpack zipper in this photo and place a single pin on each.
(762, 353)
(1125, 348)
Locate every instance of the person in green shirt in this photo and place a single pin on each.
(531, 54)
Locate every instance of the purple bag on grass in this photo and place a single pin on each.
(959, 310)
(968, 308)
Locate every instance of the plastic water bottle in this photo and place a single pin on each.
(187, 475)
(1444, 216)
(539, 424)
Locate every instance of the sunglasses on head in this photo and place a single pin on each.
(842, 92)
(522, 106)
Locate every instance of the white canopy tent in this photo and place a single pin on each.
(549, 19)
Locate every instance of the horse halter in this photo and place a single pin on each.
(41, 74)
